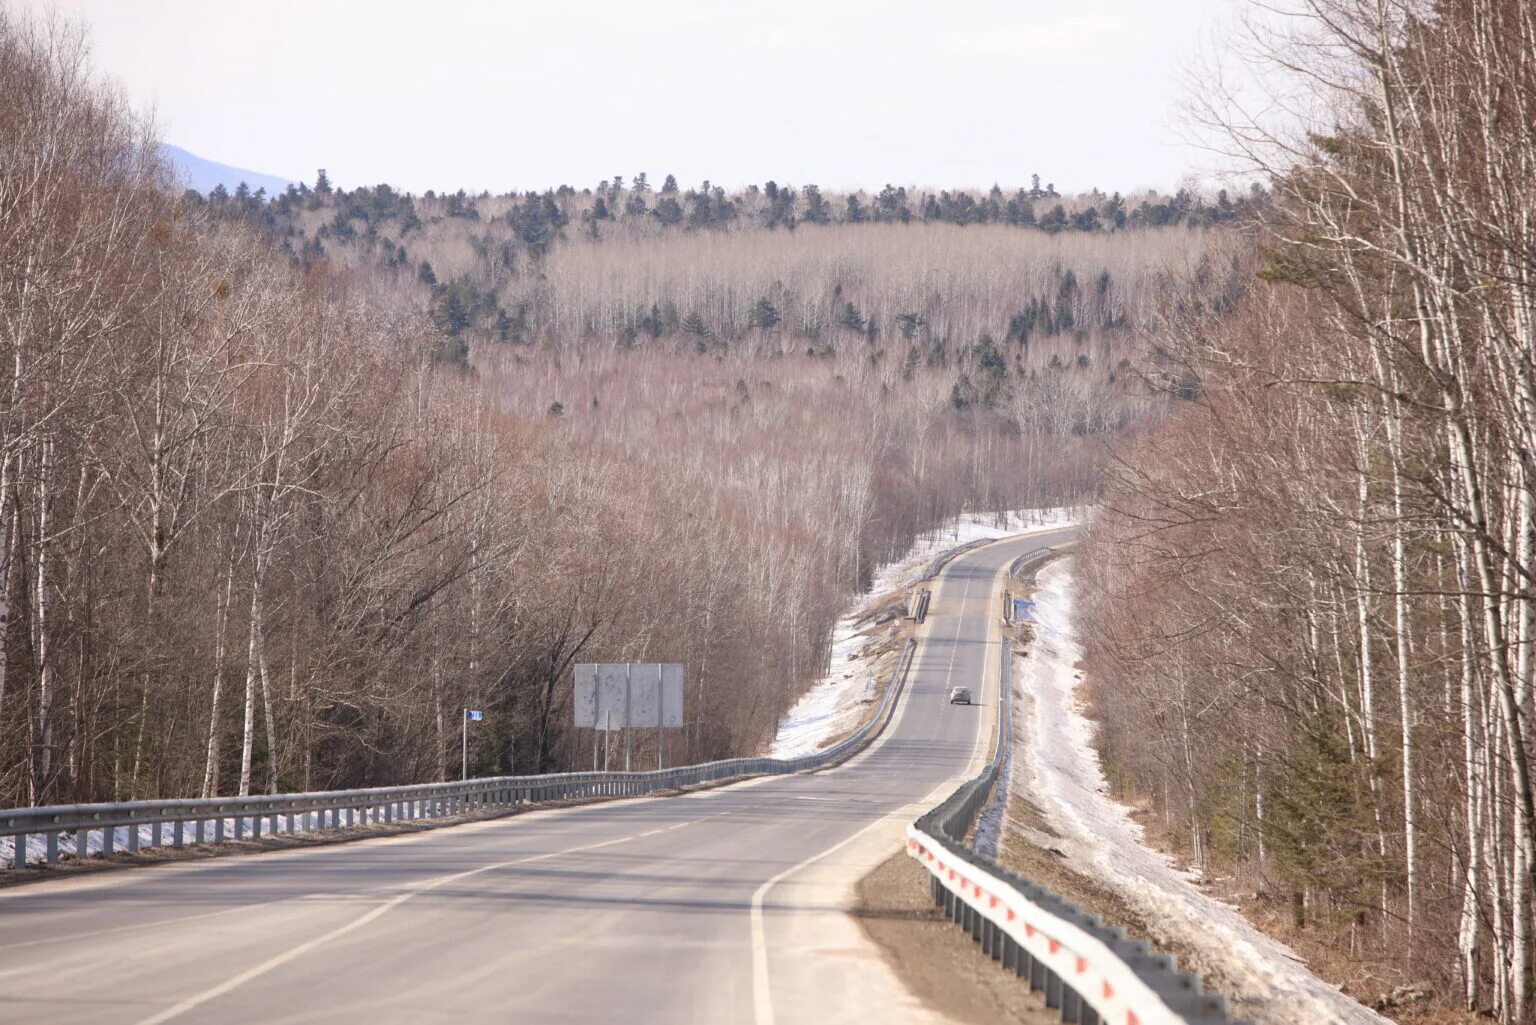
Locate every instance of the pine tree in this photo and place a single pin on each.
(816, 211)
(850, 318)
(668, 211)
(764, 315)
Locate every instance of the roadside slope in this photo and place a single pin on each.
(1056, 766)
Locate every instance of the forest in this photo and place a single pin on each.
(1309, 587)
(287, 482)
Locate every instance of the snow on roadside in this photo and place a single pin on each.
(1056, 763)
(836, 704)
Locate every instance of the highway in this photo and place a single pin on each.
(721, 906)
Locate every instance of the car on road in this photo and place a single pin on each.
(960, 696)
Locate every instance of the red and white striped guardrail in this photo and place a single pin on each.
(1091, 972)
(1032, 941)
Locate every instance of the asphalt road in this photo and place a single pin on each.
(717, 907)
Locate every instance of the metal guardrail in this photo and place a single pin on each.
(217, 819)
(1091, 972)
(917, 604)
(943, 558)
(1033, 555)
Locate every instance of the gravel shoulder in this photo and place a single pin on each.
(936, 960)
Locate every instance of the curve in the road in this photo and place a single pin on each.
(719, 906)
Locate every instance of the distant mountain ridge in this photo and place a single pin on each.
(205, 175)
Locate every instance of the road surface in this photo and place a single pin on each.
(717, 907)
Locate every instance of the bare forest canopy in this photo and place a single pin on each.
(285, 485)
(922, 273)
(1310, 593)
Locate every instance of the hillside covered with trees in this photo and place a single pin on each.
(286, 483)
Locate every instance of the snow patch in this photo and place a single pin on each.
(837, 703)
(1056, 762)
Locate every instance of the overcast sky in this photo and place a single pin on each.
(520, 94)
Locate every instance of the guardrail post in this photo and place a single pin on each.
(239, 826)
(52, 846)
(19, 851)
(218, 829)
(177, 840)
(1052, 989)
(155, 829)
(133, 838)
(1071, 1004)
(82, 842)
(108, 839)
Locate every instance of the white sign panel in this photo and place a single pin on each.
(611, 696)
(584, 702)
(672, 695)
(644, 691)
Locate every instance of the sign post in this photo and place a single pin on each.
(470, 715)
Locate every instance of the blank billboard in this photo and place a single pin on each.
(613, 695)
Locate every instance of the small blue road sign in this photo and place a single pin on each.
(474, 716)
